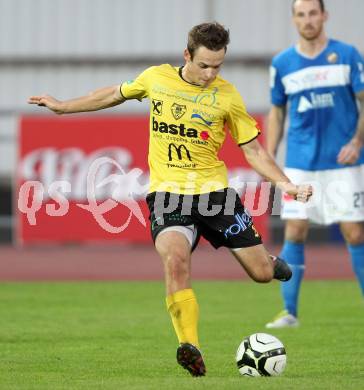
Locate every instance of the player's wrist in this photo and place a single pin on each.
(61, 108)
(357, 142)
(287, 187)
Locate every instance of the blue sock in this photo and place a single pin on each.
(357, 260)
(293, 254)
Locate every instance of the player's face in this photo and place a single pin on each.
(204, 67)
(309, 18)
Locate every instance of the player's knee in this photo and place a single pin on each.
(176, 264)
(354, 236)
(296, 236)
(263, 273)
(171, 248)
(296, 231)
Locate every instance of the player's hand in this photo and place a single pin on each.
(304, 193)
(47, 101)
(301, 193)
(350, 152)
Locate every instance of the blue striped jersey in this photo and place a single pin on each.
(320, 93)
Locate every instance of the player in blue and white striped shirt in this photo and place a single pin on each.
(320, 81)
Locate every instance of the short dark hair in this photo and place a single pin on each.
(213, 36)
(321, 2)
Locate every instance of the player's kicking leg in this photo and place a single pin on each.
(261, 266)
(256, 262)
(281, 270)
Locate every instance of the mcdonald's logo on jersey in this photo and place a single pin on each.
(178, 149)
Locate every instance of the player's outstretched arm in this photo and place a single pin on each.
(96, 100)
(262, 162)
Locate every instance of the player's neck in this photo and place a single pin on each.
(186, 75)
(311, 48)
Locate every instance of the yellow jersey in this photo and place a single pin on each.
(187, 128)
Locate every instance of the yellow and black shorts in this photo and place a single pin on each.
(219, 217)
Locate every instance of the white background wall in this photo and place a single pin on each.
(69, 47)
(44, 28)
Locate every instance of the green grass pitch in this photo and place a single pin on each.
(117, 335)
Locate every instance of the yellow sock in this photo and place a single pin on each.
(183, 308)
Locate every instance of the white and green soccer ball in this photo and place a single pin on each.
(261, 354)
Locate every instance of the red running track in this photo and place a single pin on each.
(130, 262)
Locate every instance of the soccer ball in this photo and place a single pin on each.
(261, 354)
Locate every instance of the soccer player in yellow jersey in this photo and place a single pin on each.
(189, 195)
